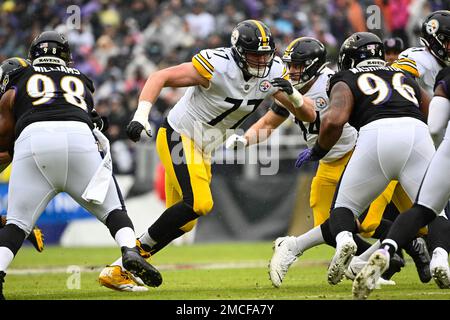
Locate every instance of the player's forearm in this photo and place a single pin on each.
(306, 112)
(153, 86)
(329, 134)
(255, 135)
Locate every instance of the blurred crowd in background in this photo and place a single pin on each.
(119, 43)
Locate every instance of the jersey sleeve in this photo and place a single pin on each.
(279, 110)
(338, 77)
(88, 82)
(409, 61)
(10, 79)
(443, 78)
(204, 63)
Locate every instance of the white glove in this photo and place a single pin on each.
(236, 142)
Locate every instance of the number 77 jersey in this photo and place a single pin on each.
(50, 92)
(205, 114)
(380, 92)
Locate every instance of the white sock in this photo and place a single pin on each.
(125, 237)
(309, 239)
(147, 240)
(440, 251)
(6, 256)
(366, 254)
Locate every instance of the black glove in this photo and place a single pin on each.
(134, 130)
(100, 122)
(283, 84)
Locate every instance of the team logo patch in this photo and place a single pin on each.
(321, 103)
(264, 86)
(234, 36)
(432, 26)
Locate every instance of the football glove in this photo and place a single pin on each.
(283, 84)
(134, 130)
(100, 122)
(310, 154)
(236, 142)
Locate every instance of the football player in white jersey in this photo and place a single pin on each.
(306, 62)
(425, 63)
(225, 86)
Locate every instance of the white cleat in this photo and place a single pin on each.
(341, 260)
(355, 267)
(440, 269)
(366, 281)
(283, 257)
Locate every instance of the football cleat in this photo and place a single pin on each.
(395, 265)
(36, 237)
(115, 278)
(2, 279)
(366, 281)
(144, 250)
(440, 269)
(356, 266)
(139, 267)
(341, 260)
(282, 259)
(419, 253)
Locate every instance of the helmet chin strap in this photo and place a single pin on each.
(371, 63)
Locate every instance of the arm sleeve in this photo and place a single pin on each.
(279, 110)
(438, 115)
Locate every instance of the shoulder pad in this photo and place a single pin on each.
(209, 60)
(335, 78)
(442, 77)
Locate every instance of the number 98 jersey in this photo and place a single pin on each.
(380, 92)
(50, 92)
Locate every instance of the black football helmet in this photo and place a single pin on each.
(8, 66)
(309, 55)
(359, 47)
(253, 36)
(395, 45)
(50, 43)
(436, 34)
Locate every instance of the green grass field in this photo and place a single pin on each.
(202, 271)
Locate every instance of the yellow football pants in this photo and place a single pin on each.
(187, 173)
(323, 188)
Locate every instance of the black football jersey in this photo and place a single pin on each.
(443, 78)
(50, 92)
(380, 92)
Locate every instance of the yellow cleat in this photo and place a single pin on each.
(36, 238)
(113, 277)
(144, 253)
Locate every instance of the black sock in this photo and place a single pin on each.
(382, 230)
(326, 234)
(12, 237)
(405, 227)
(438, 234)
(362, 244)
(342, 219)
(169, 223)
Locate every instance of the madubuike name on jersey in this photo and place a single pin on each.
(49, 92)
(380, 92)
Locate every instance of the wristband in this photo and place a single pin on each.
(318, 151)
(296, 98)
(142, 112)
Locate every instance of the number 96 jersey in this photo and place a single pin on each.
(380, 92)
(50, 92)
(205, 114)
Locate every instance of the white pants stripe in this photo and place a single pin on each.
(386, 149)
(52, 157)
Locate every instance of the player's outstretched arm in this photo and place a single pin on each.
(336, 116)
(263, 128)
(300, 106)
(182, 75)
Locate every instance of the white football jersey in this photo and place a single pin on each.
(204, 114)
(421, 64)
(318, 94)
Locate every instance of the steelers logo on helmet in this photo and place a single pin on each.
(432, 26)
(234, 36)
